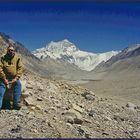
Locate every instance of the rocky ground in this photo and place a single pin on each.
(55, 109)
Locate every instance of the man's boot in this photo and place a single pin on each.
(17, 106)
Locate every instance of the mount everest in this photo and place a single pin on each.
(67, 51)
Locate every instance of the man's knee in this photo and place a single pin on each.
(2, 84)
(18, 83)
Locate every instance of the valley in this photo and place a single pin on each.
(60, 100)
(122, 90)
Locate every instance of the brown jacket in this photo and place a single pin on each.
(10, 67)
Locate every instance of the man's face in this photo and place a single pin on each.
(11, 51)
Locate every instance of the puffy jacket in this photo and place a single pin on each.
(10, 67)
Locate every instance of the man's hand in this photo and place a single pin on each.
(14, 80)
(6, 82)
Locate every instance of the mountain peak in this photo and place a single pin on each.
(65, 40)
(61, 47)
(67, 51)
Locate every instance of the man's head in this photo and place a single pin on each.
(11, 51)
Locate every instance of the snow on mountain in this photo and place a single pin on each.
(67, 51)
(132, 48)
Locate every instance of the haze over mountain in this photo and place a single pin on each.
(67, 51)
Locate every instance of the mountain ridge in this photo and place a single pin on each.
(31, 62)
(67, 51)
(125, 63)
(53, 108)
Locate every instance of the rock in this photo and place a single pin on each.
(81, 131)
(81, 105)
(131, 106)
(31, 83)
(21, 114)
(46, 111)
(90, 97)
(40, 86)
(69, 119)
(52, 109)
(106, 118)
(88, 93)
(33, 107)
(87, 120)
(105, 133)
(29, 86)
(92, 113)
(16, 130)
(23, 87)
(66, 86)
(85, 130)
(69, 125)
(56, 103)
(74, 116)
(25, 94)
(38, 107)
(78, 121)
(39, 99)
(50, 124)
(55, 118)
(52, 87)
(29, 101)
(138, 107)
(34, 130)
(77, 108)
(72, 113)
(88, 135)
(120, 117)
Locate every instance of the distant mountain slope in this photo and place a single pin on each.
(126, 62)
(31, 62)
(5, 40)
(47, 68)
(63, 69)
(67, 51)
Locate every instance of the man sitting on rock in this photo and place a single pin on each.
(10, 72)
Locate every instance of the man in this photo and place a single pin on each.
(10, 72)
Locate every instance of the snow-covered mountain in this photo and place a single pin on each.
(67, 51)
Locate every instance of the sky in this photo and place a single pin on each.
(92, 26)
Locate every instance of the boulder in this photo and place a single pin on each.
(73, 116)
(89, 95)
(8, 96)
